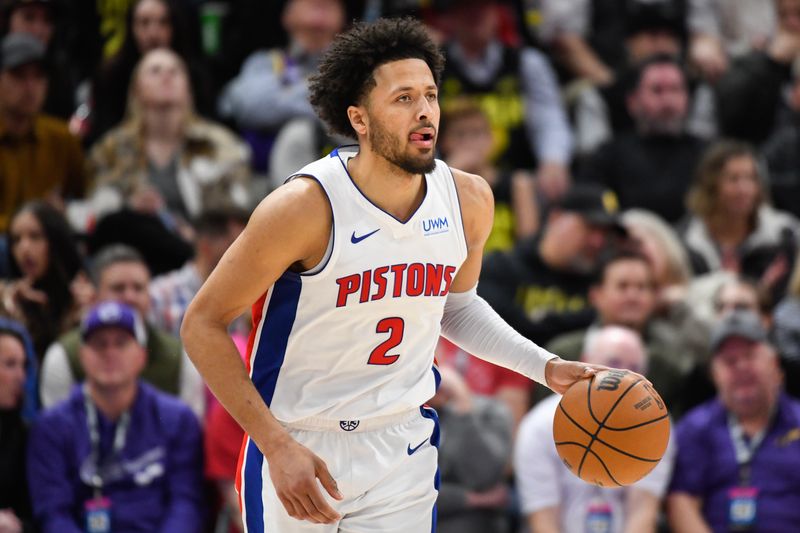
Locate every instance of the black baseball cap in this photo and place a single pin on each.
(598, 205)
(743, 324)
(19, 49)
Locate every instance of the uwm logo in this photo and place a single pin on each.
(433, 226)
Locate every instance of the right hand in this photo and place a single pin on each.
(19, 291)
(294, 471)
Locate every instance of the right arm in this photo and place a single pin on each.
(280, 233)
(544, 520)
(684, 513)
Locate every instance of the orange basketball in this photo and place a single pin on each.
(612, 429)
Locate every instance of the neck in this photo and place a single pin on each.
(729, 231)
(16, 124)
(112, 401)
(372, 173)
(164, 124)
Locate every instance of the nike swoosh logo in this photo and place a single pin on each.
(417, 447)
(356, 240)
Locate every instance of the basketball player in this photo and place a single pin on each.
(357, 264)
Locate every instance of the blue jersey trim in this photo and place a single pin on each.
(404, 222)
(278, 320)
(460, 210)
(253, 504)
(430, 413)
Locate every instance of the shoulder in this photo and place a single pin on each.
(57, 419)
(477, 205)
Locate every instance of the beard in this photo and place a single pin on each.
(387, 145)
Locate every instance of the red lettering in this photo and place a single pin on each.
(366, 282)
(347, 285)
(448, 279)
(379, 277)
(398, 279)
(433, 280)
(415, 279)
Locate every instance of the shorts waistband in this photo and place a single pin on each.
(354, 426)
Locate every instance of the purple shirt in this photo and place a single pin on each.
(159, 484)
(706, 466)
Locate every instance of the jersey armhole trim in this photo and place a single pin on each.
(460, 211)
(320, 267)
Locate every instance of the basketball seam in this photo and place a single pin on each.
(601, 424)
(601, 441)
(662, 417)
(578, 444)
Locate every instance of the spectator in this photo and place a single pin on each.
(164, 160)
(781, 154)
(624, 295)
(758, 79)
(587, 36)
(518, 91)
(733, 468)
(722, 30)
(272, 87)
(552, 498)
(43, 19)
(742, 294)
(466, 140)
(48, 288)
(149, 24)
(39, 158)
(116, 447)
(540, 286)
(120, 274)
(15, 510)
(731, 226)
(651, 167)
(171, 293)
(473, 495)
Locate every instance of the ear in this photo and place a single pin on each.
(359, 119)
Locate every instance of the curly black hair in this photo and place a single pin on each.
(346, 70)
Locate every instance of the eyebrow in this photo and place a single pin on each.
(409, 88)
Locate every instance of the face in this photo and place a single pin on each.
(738, 189)
(645, 44)
(659, 105)
(579, 243)
(35, 19)
(747, 376)
(313, 24)
(23, 89)
(151, 26)
(215, 247)
(474, 23)
(29, 245)
(617, 348)
(736, 297)
(470, 133)
(126, 282)
(162, 80)
(112, 358)
(626, 295)
(401, 115)
(789, 15)
(12, 371)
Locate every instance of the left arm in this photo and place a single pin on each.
(469, 322)
(641, 511)
(185, 478)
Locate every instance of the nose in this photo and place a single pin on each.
(426, 110)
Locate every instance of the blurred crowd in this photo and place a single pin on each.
(645, 161)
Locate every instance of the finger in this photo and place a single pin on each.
(329, 513)
(327, 480)
(289, 506)
(306, 509)
(316, 514)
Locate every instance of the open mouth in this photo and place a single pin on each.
(422, 137)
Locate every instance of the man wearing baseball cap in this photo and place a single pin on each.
(117, 453)
(540, 287)
(39, 157)
(738, 454)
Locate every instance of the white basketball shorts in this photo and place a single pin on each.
(385, 467)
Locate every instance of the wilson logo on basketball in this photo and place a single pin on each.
(611, 380)
(644, 404)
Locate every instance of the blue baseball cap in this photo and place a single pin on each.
(114, 315)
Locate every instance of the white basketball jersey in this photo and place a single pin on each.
(355, 337)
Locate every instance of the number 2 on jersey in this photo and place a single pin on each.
(395, 327)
